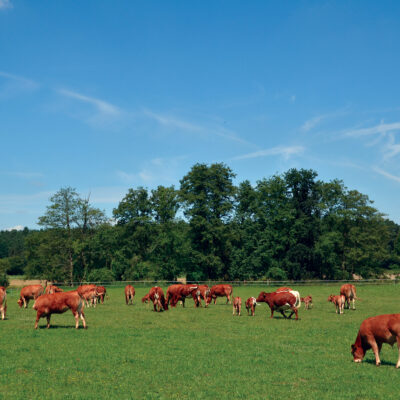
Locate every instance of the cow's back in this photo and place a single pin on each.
(58, 302)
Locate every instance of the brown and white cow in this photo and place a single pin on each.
(307, 302)
(89, 294)
(3, 302)
(58, 303)
(283, 289)
(29, 292)
(251, 304)
(281, 301)
(375, 331)
(156, 296)
(338, 301)
(179, 292)
(101, 294)
(237, 306)
(50, 289)
(202, 293)
(220, 291)
(129, 294)
(349, 292)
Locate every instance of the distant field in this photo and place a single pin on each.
(130, 352)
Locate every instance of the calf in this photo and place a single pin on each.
(373, 332)
(349, 292)
(129, 294)
(338, 301)
(237, 306)
(89, 294)
(28, 293)
(281, 302)
(307, 302)
(3, 302)
(203, 292)
(251, 303)
(58, 303)
(52, 289)
(220, 291)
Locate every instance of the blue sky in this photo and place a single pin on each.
(109, 95)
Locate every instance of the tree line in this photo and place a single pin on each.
(289, 226)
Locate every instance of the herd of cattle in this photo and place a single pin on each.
(50, 300)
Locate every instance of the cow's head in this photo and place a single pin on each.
(20, 303)
(261, 297)
(145, 299)
(358, 353)
(330, 298)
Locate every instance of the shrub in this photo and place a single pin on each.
(276, 274)
(101, 275)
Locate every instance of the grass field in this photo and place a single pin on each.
(131, 352)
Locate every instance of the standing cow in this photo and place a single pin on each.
(179, 292)
(349, 292)
(281, 301)
(338, 301)
(202, 293)
(156, 296)
(375, 331)
(129, 294)
(3, 302)
(251, 304)
(307, 302)
(237, 306)
(220, 291)
(89, 294)
(101, 294)
(58, 303)
(29, 292)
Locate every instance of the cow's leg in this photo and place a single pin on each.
(240, 309)
(82, 316)
(76, 316)
(38, 315)
(215, 300)
(272, 313)
(48, 320)
(25, 302)
(284, 315)
(398, 346)
(354, 304)
(375, 349)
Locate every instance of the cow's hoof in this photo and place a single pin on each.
(378, 364)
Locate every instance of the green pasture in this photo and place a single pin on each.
(131, 352)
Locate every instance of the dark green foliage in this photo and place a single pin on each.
(289, 226)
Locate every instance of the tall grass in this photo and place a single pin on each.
(131, 352)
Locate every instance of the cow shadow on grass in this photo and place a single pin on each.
(58, 327)
(383, 363)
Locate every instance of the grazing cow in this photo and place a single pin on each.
(338, 301)
(129, 294)
(3, 302)
(58, 303)
(89, 294)
(281, 302)
(101, 293)
(202, 293)
(307, 302)
(156, 296)
(349, 292)
(220, 291)
(179, 292)
(28, 293)
(237, 306)
(251, 303)
(373, 332)
(52, 289)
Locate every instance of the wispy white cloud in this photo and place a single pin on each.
(209, 128)
(381, 129)
(15, 228)
(12, 85)
(4, 4)
(313, 122)
(387, 174)
(285, 151)
(391, 148)
(101, 106)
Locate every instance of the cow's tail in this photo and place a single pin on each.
(298, 298)
(353, 293)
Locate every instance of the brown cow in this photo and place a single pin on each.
(220, 291)
(178, 292)
(58, 303)
(349, 292)
(281, 302)
(101, 293)
(375, 331)
(338, 301)
(251, 303)
(129, 294)
(28, 293)
(202, 293)
(283, 289)
(3, 302)
(89, 294)
(52, 289)
(156, 295)
(307, 302)
(237, 306)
